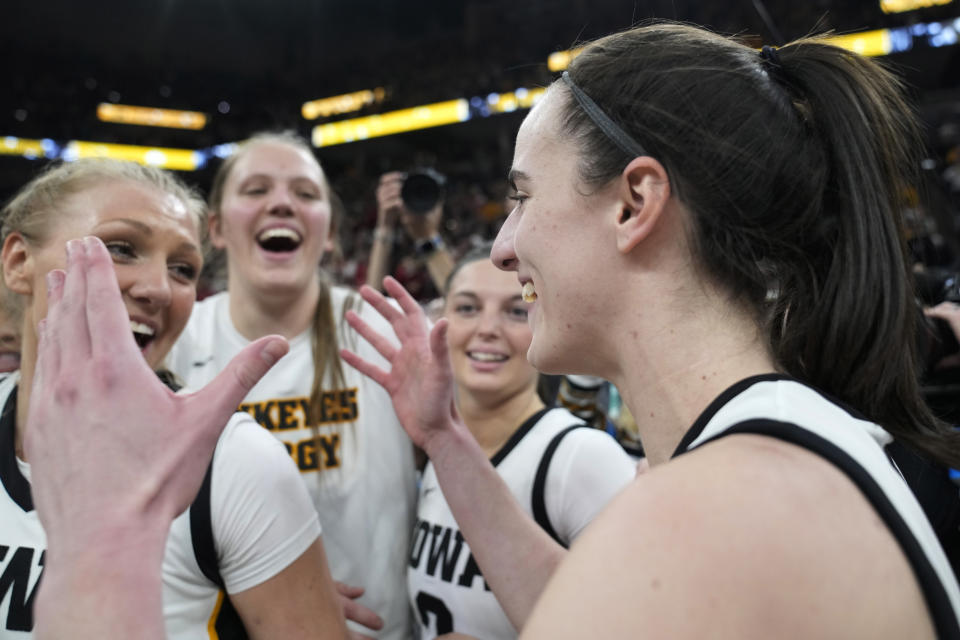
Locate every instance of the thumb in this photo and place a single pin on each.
(225, 392)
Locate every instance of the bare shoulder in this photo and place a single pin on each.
(745, 537)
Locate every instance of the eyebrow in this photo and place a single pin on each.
(146, 230)
(471, 294)
(297, 178)
(516, 174)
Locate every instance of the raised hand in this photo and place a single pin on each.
(115, 455)
(420, 380)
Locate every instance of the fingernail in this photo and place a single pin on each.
(89, 243)
(54, 280)
(73, 246)
(273, 351)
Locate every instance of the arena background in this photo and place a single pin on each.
(247, 65)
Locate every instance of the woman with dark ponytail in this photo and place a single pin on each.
(717, 231)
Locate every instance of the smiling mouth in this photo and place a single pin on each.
(279, 240)
(480, 356)
(142, 333)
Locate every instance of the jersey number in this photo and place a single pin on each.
(427, 605)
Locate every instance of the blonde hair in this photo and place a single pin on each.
(34, 209)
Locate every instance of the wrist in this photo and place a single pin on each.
(383, 234)
(426, 247)
(447, 441)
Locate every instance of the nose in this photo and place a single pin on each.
(488, 324)
(502, 253)
(151, 286)
(281, 202)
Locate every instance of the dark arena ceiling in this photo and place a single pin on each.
(251, 64)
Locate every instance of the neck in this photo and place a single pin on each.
(257, 313)
(670, 377)
(28, 361)
(493, 420)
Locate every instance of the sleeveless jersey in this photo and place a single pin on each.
(780, 407)
(360, 473)
(562, 473)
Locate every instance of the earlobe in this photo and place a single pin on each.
(645, 190)
(17, 264)
(213, 229)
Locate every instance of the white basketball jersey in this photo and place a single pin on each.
(561, 477)
(360, 474)
(780, 407)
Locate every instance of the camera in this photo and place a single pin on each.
(422, 190)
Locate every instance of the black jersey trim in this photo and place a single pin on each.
(201, 531)
(17, 487)
(226, 622)
(935, 595)
(517, 436)
(739, 387)
(728, 394)
(538, 497)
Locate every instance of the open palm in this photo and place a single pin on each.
(420, 379)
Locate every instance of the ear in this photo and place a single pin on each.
(17, 264)
(214, 232)
(644, 192)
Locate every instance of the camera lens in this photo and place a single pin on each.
(422, 190)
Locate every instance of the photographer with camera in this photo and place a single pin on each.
(416, 199)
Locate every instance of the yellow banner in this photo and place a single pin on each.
(13, 146)
(899, 6)
(163, 157)
(346, 103)
(866, 43)
(151, 117)
(385, 124)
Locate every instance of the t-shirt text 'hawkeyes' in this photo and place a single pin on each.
(282, 415)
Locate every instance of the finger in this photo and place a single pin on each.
(379, 342)
(107, 317)
(376, 300)
(354, 635)
(438, 342)
(67, 320)
(348, 590)
(398, 293)
(225, 392)
(361, 615)
(372, 371)
(48, 347)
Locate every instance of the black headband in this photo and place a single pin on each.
(611, 129)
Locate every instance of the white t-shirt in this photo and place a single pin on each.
(361, 475)
(252, 474)
(562, 487)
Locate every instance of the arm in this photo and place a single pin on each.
(420, 228)
(515, 555)
(742, 538)
(107, 484)
(299, 602)
(267, 538)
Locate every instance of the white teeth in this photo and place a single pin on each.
(528, 292)
(139, 327)
(487, 357)
(279, 232)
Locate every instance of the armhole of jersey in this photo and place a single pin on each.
(201, 531)
(942, 613)
(224, 623)
(540, 484)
